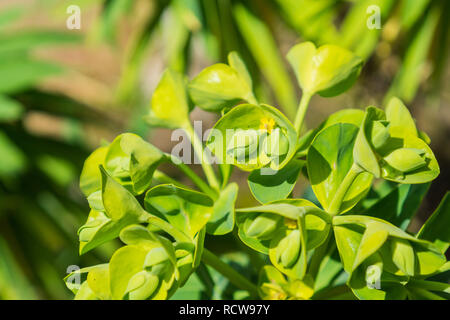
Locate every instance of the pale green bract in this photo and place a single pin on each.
(345, 240)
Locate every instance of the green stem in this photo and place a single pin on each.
(301, 111)
(202, 185)
(163, 178)
(206, 165)
(235, 277)
(317, 258)
(335, 205)
(165, 226)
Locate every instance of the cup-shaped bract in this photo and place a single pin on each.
(328, 70)
(129, 159)
(285, 230)
(253, 136)
(389, 148)
(222, 86)
(170, 105)
(132, 161)
(364, 242)
(184, 209)
(145, 271)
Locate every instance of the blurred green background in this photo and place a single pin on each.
(63, 92)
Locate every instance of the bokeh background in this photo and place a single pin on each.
(63, 92)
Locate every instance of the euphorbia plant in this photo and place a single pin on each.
(367, 169)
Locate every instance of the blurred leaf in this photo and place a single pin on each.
(19, 74)
(407, 80)
(266, 53)
(10, 109)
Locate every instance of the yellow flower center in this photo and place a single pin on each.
(290, 223)
(267, 124)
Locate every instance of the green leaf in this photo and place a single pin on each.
(132, 162)
(124, 264)
(390, 288)
(98, 281)
(222, 86)
(276, 185)
(328, 70)
(399, 205)
(399, 116)
(373, 238)
(363, 152)
(403, 256)
(428, 256)
(330, 158)
(222, 219)
(170, 105)
(435, 228)
(185, 209)
(408, 78)
(264, 49)
(255, 129)
(121, 209)
(90, 179)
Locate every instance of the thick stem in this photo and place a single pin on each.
(235, 277)
(352, 174)
(206, 163)
(301, 111)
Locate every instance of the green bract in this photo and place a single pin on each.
(345, 240)
(330, 163)
(391, 148)
(328, 70)
(222, 86)
(252, 137)
(120, 209)
(170, 105)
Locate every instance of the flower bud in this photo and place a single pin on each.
(262, 226)
(288, 249)
(406, 159)
(380, 133)
(276, 143)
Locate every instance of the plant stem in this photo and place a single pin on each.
(165, 226)
(206, 165)
(235, 277)
(335, 205)
(202, 185)
(317, 258)
(301, 111)
(163, 178)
